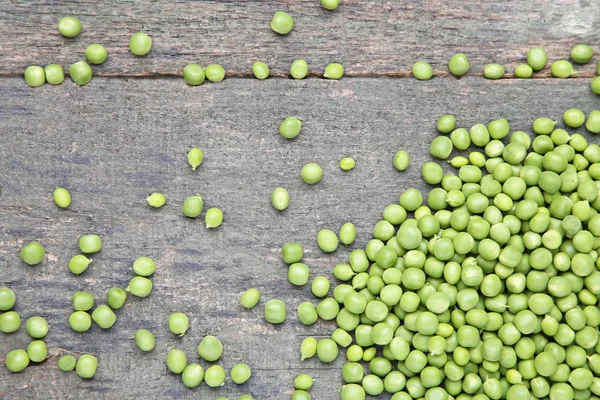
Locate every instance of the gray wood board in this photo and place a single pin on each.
(113, 142)
(368, 37)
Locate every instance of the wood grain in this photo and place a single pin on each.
(113, 142)
(368, 37)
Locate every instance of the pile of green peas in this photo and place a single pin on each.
(485, 288)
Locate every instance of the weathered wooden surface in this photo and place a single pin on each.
(116, 140)
(368, 37)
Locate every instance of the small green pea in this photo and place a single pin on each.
(37, 351)
(80, 72)
(441, 147)
(179, 323)
(240, 373)
(156, 200)
(401, 160)
(176, 361)
(32, 253)
(523, 71)
(327, 240)
(139, 286)
(260, 70)
(83, 301)
(214, 376)
(307, 313)
(347, 233)
(327, 350)
(282, 23)
(299, 69)
(210, 348)
(311, 173)
(37, 327)
(17, 360)
(35, 76)
(214, 72)
(116, 297)
(104, 316)
(140, 44)
(561, 69)
(320, 286)
(145, 340)
(543, 126)
(193, 74)
(144, 266)
(90, 243)
(96, 53)
(62, 197)
(574, 117)
(595, 85)
(7, 299)
(303, 382)
(308, 348)
(78, 264)
(330, 4)
(192, 375)
(67, 363)
(459, 64)
(54, 74)
(290, 127)
(292, 252)
(537, 58)
(213, 218)
(80, 321)
(422, 70)
(298, 274)
(195, 157)
(275, 312)
(493, 71)
(69, 26)
(581, 53)
(280, 199)
(334, 71)
(86, 366)
(10, 322)
(347, 164)
(192, 206)
(250, 298)
(592, 123)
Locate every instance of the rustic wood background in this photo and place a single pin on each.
(123, 136)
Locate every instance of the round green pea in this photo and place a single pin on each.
(213, 218)
(250, 298)
(86, 366)
(347, 233)
(459, 64)
(37, 351)
(192, 206)
(176, 361)
(96, 53)
(193, 74)
(320, 286)
(327, 240)
(282, 23)
(595, 85)
(115, 298)
(493, 71)
(80, 321)
(581, 53)
(140, 44)
(260, 70)
(80, 72)
(347, 164)
(69, 26)
(104, 316)
(292, 252)
(561, 69)
(441, 147)
(422, 70)
(574, 117)
(37, 327)
(144, 266)
(17, 360)
(195, 157)
(192, 375)
(179, 323)
(214, 376)
(10, 322)
(78, 264)
(352, 391)
(145, 340)
(401, 160)
(90, 244)
(139, 286)
(214, 72)
(308, 348)
(523, 71)
(298, 274)
(592, 124)
(334, 71)
(7, 299)
(299, 69)
(275, 312)
(54, 74)
(35, 76)
(303, 382)
(327, 350)
(240, 373)
(290, 127)
(32, 253)
(156, 200)
(280, 199)
(537, 58)
(61, 197)
(311, 173)
(67, 363)
(210, 348)
(330, 4)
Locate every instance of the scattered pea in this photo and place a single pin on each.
(7, 299)
(10, 322)
(459, 64)
(581, 53)
(179, 323)
(240, 373)
(139, 286)
(192, 206)
(37, 327)
(574, 118)
(80, 72)
(595, 85)
(280, 199)
(290, 127)
(69, 26)
(156, 200)
(260, 70)
(62, 197)
(214, 72)
(80, 321)
(299, 69)
(275, 311)
(90, 244)
(213, 218)
(282, 23)
(96, 53)
(537, 58)
(37, 351)
(192, 375)
(250, 298)
(104, 316)
(422, 70)
(401, 160)
(35, 76)
(561, 69)
(210, 348)
(67, 363)
(195, 157)
(145, 340)
(334, 71)
(176, 361)
(193, 74)
(17, 360)
(347, 164)
(54, 74)
(83, 301)
(327, 240)
(347, 233)
(140, 44)
(523, 71)
(116, 297)
(32, 253)
(311, 173)
(214, 376)
(303, 382)
(330, 4)
(493, 71)
(308, 348)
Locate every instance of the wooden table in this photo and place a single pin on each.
(126, 134)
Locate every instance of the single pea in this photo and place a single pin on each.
(250, 298)
(422, 70)
(240, 373)
(140, 44)
(35, 76)
(292, 252)
(115, 298)
(214, 376)
(401, 160)
(595, 85)
(96, 53)
(86, 366)
(282, 23)
(574, 117)
(299, 69)
(290, 127)
(193, 375)
(210, 348)
(327, 240)
(54, 74)
(17, 360)
(192, 206)
(352, 391)
(37, 327)
(144, 266)
(308, 348)
(543, 126)
(179, 323)
(90, 244)
(536, 58)
(347, 233)
(301, 395)
(327, 350)
(80, 72)
(7, 299)
(69, 26)
(493, 71)
(195, 157)
(62, 197)
(10, 322)
(592, 124)
(214, 72)
(523, 71)
(67, 363)
(298, 274)
(104, 316)
(260, 70)
(334, 71)
(37, 351)
(441, 147)
(330, 4)
(581, 53)
(561, 69)
(432, 172)
(32, 253)
(80, 321)
(459, 64)
(280, 199)
(320, 286)
(145, 340)
(311, 173)
(347, 164)
(139, 286)
(193, 74)
(78, 264)
(275, 312)
(156, 200)
(446, 123)
(176, 361)
(213, 218)
(303, 382)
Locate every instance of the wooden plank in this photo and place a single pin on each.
(114, 141)
(368, 37)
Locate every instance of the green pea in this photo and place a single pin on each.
(327, 350)
(574, 117)
(493, 71)
(446, 123)
(299, 69)
(195, 157)
(104, 316)
(80, 321)
(62, 197)
(330, 4)
(156, 200)
(561, 69)
(581, 53)
(308, 348)
(250, 298)
(145, 340)
(139, 286)
(37, 327)
(282, 23)
(86, 366)
(290, 127)
(280, 199)
(115, 298)
(32, 253)
(176, 361)
(594, 85)
(347, 164)
(422, 70)
(240, 373)
(592, 123)
(90, 244)
(327, 240)
(320, 286)
(334, 71)
(7, 299)
(96, 53)
(536, 58)
(214, 376)
(303, 382)
(67, 363)
(441, 147)
(140, 44)
(352, 391)
(292, 252)
(347, 233)
(193, 75)
(9, 322)
(193, 375)
(432, 173)
(210, 348)
(307, 314)
(401, 160)
(192, 206)
(213, 218)
(80, 72)
(214, 72)
(260, 70)
(275, 312)
(523, 71)
(179, 323)
(17, 360)
(69, 26)
(459, 64)
(298, 274)
(54, 74)
(311, 173)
